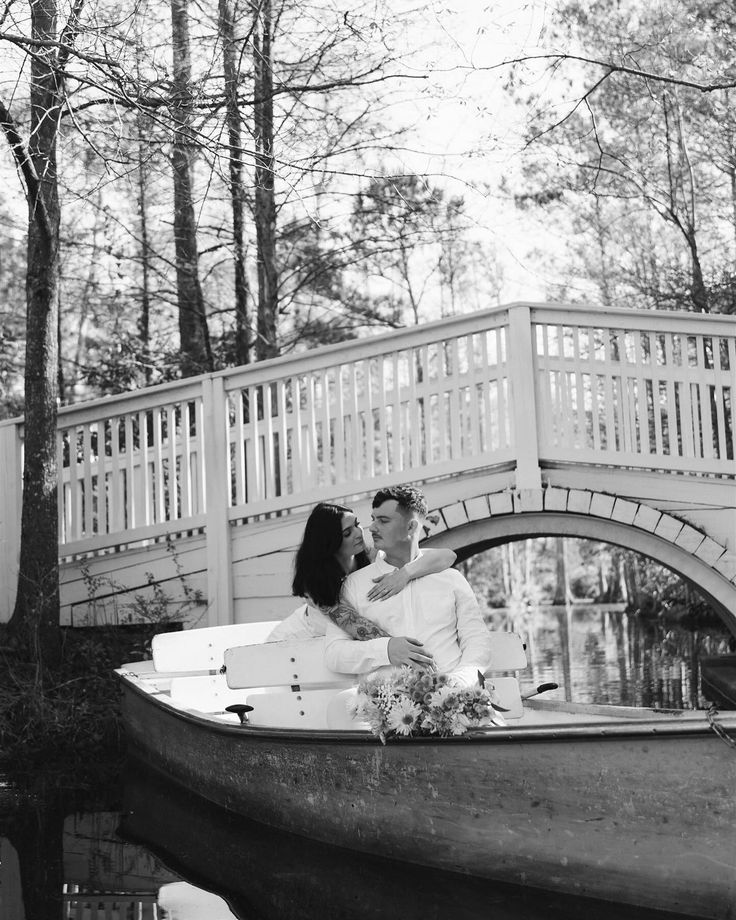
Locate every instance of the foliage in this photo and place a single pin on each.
(412, 240)
(66, 714)
(66, 717)
(110, 602)
(331, 65)
(637, 164)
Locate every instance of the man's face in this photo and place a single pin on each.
(391, 526)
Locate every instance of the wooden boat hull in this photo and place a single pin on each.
(639, 813)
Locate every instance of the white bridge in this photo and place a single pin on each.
(521, 420)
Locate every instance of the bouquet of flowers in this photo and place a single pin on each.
(410, 702)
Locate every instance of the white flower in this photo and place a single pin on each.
(440, 696)
(459, 724)
(403, 716)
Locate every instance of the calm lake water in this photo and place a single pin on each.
(147, 849)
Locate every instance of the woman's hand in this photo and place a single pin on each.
(389, 584)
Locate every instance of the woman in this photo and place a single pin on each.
(332, 547)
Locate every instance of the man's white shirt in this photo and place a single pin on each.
(440, 610)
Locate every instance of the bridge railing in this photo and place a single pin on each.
(651, 390)
(521, 385)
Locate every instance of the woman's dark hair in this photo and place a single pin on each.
(317, 573)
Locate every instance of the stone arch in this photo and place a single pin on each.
(471, 525)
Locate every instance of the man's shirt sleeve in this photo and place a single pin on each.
(473, 636)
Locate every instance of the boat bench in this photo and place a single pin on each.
(289, 686)
(205, 693)
(203, 650)
(507, 654)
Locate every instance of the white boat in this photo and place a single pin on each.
(627, 805)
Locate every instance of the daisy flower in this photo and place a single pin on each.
(403, 716)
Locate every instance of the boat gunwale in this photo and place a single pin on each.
(665, 725)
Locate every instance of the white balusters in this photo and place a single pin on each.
(650, 396)
(526, 384)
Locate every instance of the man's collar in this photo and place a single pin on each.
(382, 561)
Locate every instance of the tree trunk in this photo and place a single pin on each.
(35, 620)
(144, 320)
(698, 290)
(237, 191)
(265, 202)
(196, 354)
(561, 590)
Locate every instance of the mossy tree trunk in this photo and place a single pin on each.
(35, 621)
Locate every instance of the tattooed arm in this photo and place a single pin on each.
(369, 646)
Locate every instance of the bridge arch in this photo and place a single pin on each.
(473, 525)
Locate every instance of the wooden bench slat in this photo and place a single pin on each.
(203, 649)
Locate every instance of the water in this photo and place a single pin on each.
(599, 654)
(147, 849)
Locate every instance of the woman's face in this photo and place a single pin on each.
(352, 535)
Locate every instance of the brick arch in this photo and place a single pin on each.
(477, 523)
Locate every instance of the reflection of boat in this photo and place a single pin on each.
(718, 680)
(271, 875)
(619, 804)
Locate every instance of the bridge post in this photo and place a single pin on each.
(217, 498)
(522, 379)
(11, 493)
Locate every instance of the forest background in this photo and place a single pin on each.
(193, 185)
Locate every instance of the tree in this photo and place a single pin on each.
(265, 201)
(237, 183)
(12, 311)
(193, 330)
(34, 622)
(107, 82)
(648, 111)
(413, 243)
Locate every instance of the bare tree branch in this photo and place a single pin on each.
(26, 168)
(611, 69)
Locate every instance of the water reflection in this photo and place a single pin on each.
(599, 654)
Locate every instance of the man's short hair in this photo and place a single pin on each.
(408, 498)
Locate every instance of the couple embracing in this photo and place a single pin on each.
(406, 607)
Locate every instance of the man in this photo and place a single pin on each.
(433, 622)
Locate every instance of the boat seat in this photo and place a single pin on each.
(205, 692)
(203, 649)
(307, 694)
(303, 690)
(321, 709)
(508, 654)
(281, 664)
